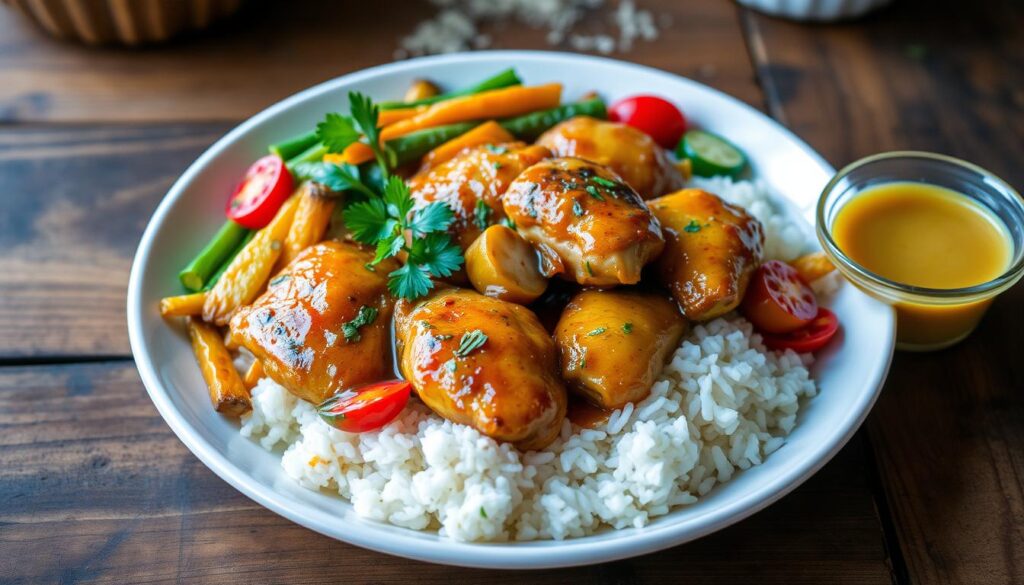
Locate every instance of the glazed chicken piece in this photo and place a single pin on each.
(635, 156)
(712, 248)
(587, 224)
(613, 344)
(481, 173)
(322, 325)
(482, 362)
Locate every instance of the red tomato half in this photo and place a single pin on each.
(778, 300)
(366, 408)
(657, 117)
(811, 337)
(267, 184)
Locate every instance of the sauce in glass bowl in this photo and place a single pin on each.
(935, 237)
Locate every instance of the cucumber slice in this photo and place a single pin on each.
(711, 154)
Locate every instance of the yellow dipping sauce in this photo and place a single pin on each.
(926, 236)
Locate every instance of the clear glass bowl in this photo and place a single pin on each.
(927, 318)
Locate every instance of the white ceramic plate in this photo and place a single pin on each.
(850, 373)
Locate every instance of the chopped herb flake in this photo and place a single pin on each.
(366, 315)
(426, 325)
(590, 270)
(577, 209)
(482, 214)
(605, 182)
(496, 149)
(444, 337)
(627, 328)
(483, 513)
(470, 342)
(509, 223)
(497, 166)
(592, 190)
(692, 227)
(597, 331)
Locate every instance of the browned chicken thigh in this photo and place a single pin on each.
(586, 223)
(629, 152)
(482, 362)
(712, 249)
(614, 343)
(474, 178)
(322, 325)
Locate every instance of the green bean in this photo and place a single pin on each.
(212, 257)
(529, 126)
(312, 154)
(227, 261)
(506, 78)
(414, 145)
(294, 146)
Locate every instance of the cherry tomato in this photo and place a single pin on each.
(257, 198)
(365, 408)
(777, 300)
(657, 117)
(811, 337)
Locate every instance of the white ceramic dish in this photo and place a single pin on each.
(850, 372)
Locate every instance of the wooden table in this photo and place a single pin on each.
(95, 488)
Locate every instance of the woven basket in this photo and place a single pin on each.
(129, 22)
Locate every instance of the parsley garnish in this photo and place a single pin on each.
(592, 190)
(597, 331)
(483, 513)
(605, 182)
(470, 342)
(692, 227)
(383, 220)
(366, 315)
(627, 328)
(481, 214)
(590, 270)
(577, 209)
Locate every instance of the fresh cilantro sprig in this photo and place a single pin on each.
(388, 221)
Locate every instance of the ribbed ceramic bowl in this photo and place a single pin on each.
(128, 22)
(849, 373)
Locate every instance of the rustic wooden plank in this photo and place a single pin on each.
(97, 489)
(948, 431)
(75, 202)
(274, 49)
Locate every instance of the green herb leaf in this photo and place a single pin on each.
(481, 214)
(337, 132)
(369, 222)
(605, 182)
(409, 282)
(339, 178)
(592, 190)
(509, 223)
(627, 327)
(437, 254)
(366, 315)
(470, 342)
(435, 217)
(398, 199)
(387, 248)
(692, 227)
(597, 331)
(590, 270)
(483, 513)
(366, 115)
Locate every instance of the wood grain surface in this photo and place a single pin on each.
(95, 488)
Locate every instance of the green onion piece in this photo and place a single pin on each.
(224, 266)
(314, 153)
(294, 146)
(205, 264)
(506, 78)
(529, 126)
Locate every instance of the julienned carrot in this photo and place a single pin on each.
(498, 103)
(487, 133)
(389, 117)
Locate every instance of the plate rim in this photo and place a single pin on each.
(509, 555)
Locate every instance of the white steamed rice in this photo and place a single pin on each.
(722, 404)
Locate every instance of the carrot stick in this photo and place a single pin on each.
(498, 103)
(487, 133)
(389, 117)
